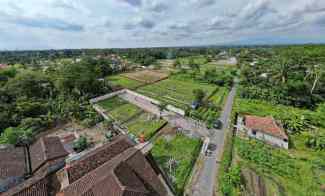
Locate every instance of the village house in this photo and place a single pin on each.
(116, 168)
(2, 66)
(265, 129)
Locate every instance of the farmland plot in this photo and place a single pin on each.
(175, 92)
(123, 82)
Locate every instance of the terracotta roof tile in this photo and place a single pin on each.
(265, 124)
(12, 167)
(96, 158)
(128, 173)
(46, 149)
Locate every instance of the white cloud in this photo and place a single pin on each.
(133, 23)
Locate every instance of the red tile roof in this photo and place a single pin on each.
(128, 173)
(47, 155)
(36, 186)
(265, 124)
(96, 158)
(12, 167)
(46, 149)
(3, 66)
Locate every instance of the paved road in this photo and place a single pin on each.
(205, 180)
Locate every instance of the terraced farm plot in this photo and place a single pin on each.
(119, 109)
(145, 123)
(124, 82)
(132, 117)
(180, 148)
(146, 76)
(175, 92)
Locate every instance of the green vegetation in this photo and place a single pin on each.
(144, 124)
(211, 108)
(81, 144)
(292, 76)
(298, 171)
(120, 109)
(183, 150)
(121, 81)
(297, 176)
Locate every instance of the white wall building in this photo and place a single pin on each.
(263, 128)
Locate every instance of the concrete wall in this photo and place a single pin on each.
(145, 103)
(176, 110)
(268, 139)
(107, 96)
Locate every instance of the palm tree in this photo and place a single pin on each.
(282, 68)
(315, 72)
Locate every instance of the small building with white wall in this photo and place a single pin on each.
(265, 129)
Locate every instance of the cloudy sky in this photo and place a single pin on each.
(56, 24)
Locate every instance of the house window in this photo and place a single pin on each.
(254, 132)
(285, 140)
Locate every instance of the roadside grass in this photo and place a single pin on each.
(184, 150)
(119, 109)
(176, 91)
(143, 124)
(121, 81)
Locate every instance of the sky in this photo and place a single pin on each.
(60, 24)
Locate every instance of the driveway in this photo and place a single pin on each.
(204, 181)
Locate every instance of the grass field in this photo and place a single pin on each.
(119, 109)
(121, 81)
(144, 124)
(181, 148)
(175, 91)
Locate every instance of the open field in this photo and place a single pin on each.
(123, 82)
(146, 76)
(197, 59)
(119, 109)
(175, 91)
(145, 123)
(180, 148)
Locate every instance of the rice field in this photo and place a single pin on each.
(175, 91)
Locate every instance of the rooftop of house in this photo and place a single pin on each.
(265, 124)
(43, 157)
(12, 167)
(3, 66)
(114, 169)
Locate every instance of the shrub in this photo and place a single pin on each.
(81, 144)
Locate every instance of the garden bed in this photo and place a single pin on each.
(146, 124)
(183, 150)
